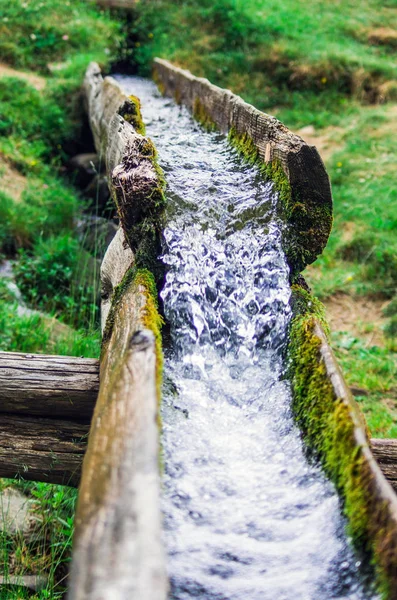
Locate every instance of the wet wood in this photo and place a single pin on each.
(118, 550)
(48, 386)
(385, 452)
(38, 449)
(301, 163)
(373, 478)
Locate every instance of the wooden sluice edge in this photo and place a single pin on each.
(334, 427)
(118, 551)
(305, 199)
(370, 500)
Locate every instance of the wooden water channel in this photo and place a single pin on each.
(56, 409)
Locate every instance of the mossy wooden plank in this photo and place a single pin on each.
(118, 541)
(136, 182)
(305, 201)
(118, 544)
(334, 427)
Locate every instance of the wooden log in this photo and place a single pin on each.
(344, 424)
(116, 262)
(135, 183)
(385, 452)
(118, 550)
(117, 538)
(308, 211)
(38, 449)
(48, 386)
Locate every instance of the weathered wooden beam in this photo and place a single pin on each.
(117, 539)
(118, 550)
(39, 449)
(363, 482)
(308, 209)
(48, 386)
(385, 452)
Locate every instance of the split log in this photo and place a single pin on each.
(48, 386)
(117, 537)
(308, 211)
(117, 260)
(385, 452)
(344, 424)
(118, 550)
(38, 449)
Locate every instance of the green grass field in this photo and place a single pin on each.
(326, 69)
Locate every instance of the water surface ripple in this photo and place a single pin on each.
(246, 516)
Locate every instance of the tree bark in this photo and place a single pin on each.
(63, 387)
(42, 449)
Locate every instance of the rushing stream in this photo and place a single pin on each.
(246, 516)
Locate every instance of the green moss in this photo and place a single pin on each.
(131, 112)
(272, 170)
(151, 318)
(329, 432)
(201, 115)
(309, 221)
(141, 208)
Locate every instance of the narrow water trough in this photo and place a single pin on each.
(247, 513)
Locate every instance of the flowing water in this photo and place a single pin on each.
(246, 516)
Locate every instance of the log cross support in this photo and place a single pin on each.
(46, 404)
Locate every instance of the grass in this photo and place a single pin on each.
(49, 548)
(277, 53)
(36, 34)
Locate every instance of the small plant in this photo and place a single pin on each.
(57, 276)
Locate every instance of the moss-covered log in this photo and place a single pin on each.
(135, 179)
(298, 171)
(117, 547)
(334, 428)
